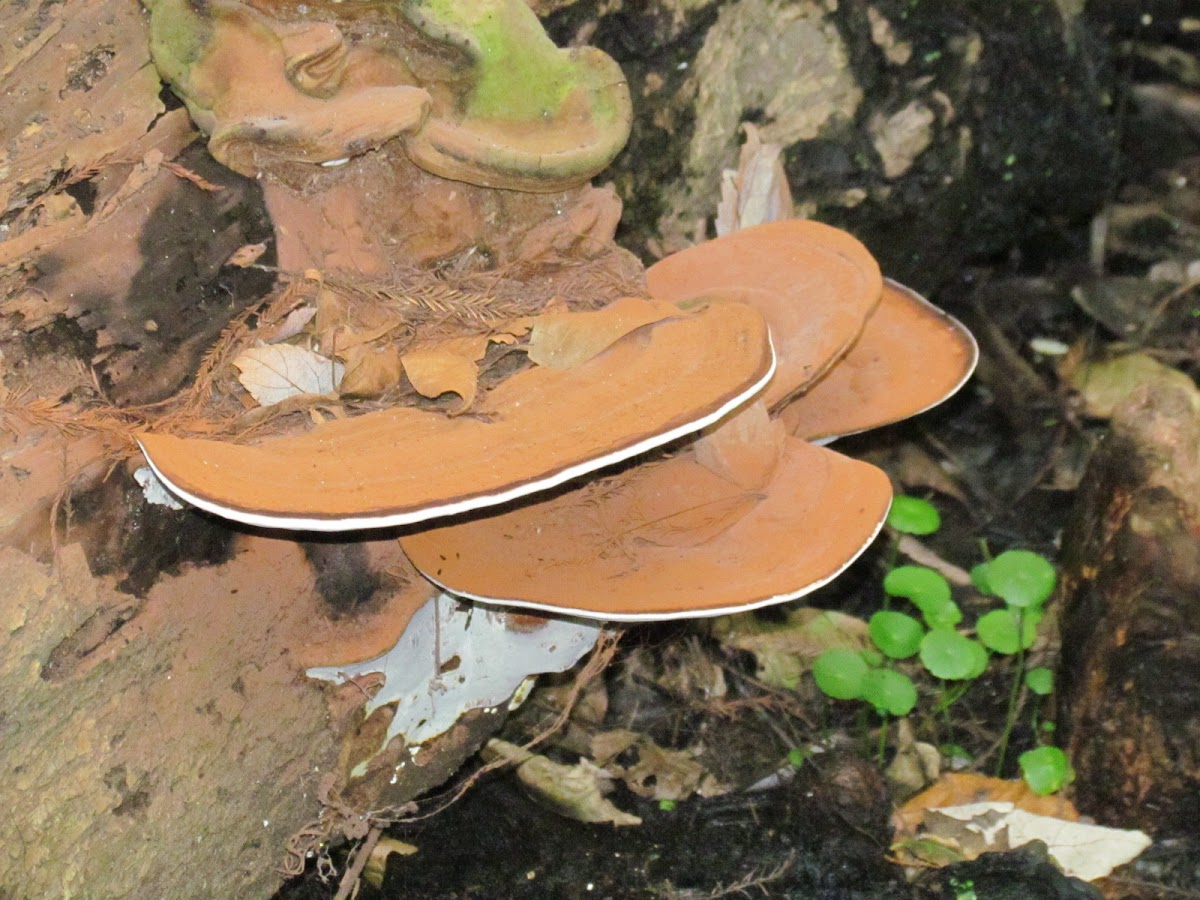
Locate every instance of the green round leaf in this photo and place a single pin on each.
(912, 515)
(955, 753)
(928, 591)
(979, 578)
(1046, 769)
(1021, 578)
(1040, 681)
(839, 672)
(998, 631)
(979, 660)
(947, 654)
(889, 691)
(1030, 622)
(872, 656)
(896, 634)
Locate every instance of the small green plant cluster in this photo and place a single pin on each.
(930, 630)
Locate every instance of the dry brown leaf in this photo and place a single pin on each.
(434, 372)
(370, 371)
(247, 255)
(744, 448)
(565, 340)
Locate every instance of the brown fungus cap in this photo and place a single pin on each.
(667, 539)
(910, 357)
(537, 429)
(814, 284)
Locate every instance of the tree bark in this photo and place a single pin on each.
(1131, 619)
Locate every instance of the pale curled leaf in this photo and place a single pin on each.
(575, 791)
(275, 373)
(1082, 851)
(493, 660)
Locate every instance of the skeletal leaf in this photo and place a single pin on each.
(275, 373)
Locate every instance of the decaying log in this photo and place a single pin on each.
(1131, 623)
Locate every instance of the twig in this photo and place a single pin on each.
(358, 862)
(919, 553)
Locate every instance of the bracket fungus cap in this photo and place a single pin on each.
(815, 285)
(666, 540)
(539, 428)
(474, 90)
(910, 357)
(532, 117)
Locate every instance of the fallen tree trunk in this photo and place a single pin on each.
(1131, 619)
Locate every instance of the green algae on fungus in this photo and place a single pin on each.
(269, 82)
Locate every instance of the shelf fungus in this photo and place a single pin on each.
(474, 90)
(750, 512)
(539, 428)
(551, 493)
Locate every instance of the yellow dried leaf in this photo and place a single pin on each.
(562, 340)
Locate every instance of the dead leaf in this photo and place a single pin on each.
(575, 791)
(370, 371)
(563, 340)
(657, 773)
(1081, 850)
(784, 651)
(438, 371)
(757, 191)
(960, 788)
(744, 448)
(915, 765)
(280, 371)
(247, 255)
(291, 325)
(1104, 384)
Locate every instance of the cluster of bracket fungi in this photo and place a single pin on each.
(677, 469)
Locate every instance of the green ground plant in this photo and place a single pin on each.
(929, 630)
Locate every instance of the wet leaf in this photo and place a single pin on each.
(1020, 578)
(889, 692)
(912, 515)
(1046, 769)
(948, 654)
(275, 373)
